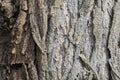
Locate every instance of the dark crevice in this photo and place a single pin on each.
(109, 31)
(16, 66)
(13, 2)
(75, 47)
(17, 11)
(4, 21)
(108, 53)
(50, 3)
(27, 22)
(36, 61)
(116, 0)
(78, 75)
(102, 5)
(119, 43)
(71, 16)
(96, 2)
(69, 74)
(78, 13)
(48, 22)
(63, 59)
(80, 5)
(93, 38)
(14, 17)
(26, 11)
(83, 64)
(16, 6)
(49, 16)
(94, 78)
(35, 52)
(110, 69)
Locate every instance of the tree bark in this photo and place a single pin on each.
(59, 40)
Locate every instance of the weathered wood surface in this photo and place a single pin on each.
(59, 39)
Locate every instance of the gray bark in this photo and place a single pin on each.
(59, 39)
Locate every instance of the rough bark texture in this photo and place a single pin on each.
(59, 39)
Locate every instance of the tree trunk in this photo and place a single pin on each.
(59, 39)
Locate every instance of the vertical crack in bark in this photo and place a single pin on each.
(102, 5)
(92, 35)
(78, 13)
(74, 45)
(36, 60)
(49, 5)
(79, 7)
(70, 15)
(108, 53)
